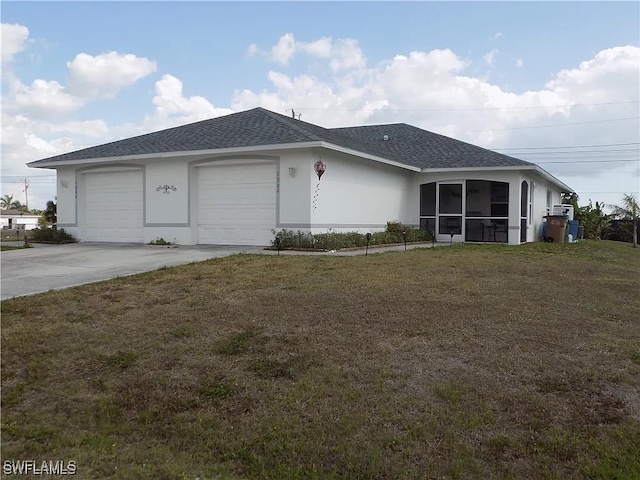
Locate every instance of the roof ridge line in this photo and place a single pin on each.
(298, 128)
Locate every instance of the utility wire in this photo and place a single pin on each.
(469, 109)
(587, 162)
(555, 125)
(571, 146)
(582, 152)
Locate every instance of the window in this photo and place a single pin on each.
(428, 207)
(428, 200)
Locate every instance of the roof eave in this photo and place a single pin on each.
(186, 154)
(221, 151)
(532, 167)
(547, 176)
(358, 153)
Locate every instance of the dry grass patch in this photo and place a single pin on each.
(464, 362)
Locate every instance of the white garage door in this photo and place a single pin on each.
(236, 204)
(113, 207)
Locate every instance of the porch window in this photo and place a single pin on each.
(478, 210)
(428, 207)
(486, 211)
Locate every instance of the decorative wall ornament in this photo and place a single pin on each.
(166, 189)
(319, 168)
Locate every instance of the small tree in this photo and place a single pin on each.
(50, 213)
(6, 201)
(593, 220)
(629, 210)
(16, 205)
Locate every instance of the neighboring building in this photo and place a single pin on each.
(15, 219)
(234, 179)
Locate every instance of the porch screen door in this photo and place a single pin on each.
(450, 212)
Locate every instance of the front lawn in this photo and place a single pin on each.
(471, 361)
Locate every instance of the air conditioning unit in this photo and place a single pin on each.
(562, 210)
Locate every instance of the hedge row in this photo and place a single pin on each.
(337, 241)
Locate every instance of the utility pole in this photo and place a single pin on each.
(26, 193)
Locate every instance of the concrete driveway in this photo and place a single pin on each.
(53, 267)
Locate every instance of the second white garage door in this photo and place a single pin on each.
(113, 206)
(236, 204)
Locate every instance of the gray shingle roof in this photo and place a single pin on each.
(404, 143)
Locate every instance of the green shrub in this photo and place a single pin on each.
(395, 227)
(45, 234)
(159, 241)
(291, 239)
(337, 241)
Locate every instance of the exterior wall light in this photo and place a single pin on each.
(292, 172)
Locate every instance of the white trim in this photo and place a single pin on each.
(112, 169)
(239, 161)
(512, 168)
(357, 153)
(547, 176)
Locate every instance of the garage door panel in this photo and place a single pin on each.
(237, 204)
(113, 207)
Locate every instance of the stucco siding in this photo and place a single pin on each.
(66, 196)
(166, 193)
(294, 195)
(356, 194)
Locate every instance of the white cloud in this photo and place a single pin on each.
(342, 54)
(87, 128)
(490, 57)
(519, 63)
(253, 49)
(320, 48)
(44, 99)
(14, 40)
(346, 54)
(173, 108)
(498, 35)
(282, 51)
(612, 75)
(105, 74)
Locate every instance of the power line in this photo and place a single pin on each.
(587, 162)
(555, 125)
(572, 146)
(583, 191)
(583, 152)
(470, 109)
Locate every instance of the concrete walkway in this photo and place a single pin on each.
(53, 267)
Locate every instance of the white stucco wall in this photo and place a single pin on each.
(166, 206)
(294, 197)
(66, 193)
(356, 194)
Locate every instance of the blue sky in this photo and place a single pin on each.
(488, 73)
